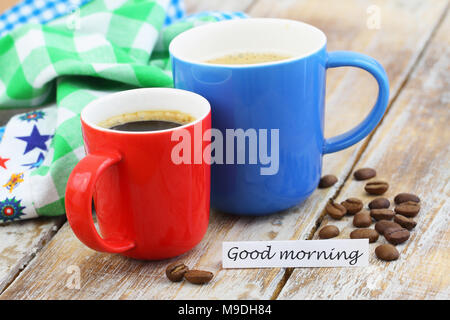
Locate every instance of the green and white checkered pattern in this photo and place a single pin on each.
(106, 46)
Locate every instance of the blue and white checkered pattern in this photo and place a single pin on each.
(36, 11)
(43, 11)
(175, 11)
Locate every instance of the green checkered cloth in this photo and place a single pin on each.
(101, 48)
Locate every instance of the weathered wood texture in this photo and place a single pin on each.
(411, 150)
(19, 243)
(397, 45)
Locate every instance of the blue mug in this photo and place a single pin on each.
(268, 116)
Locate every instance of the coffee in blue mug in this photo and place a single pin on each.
(268, 116)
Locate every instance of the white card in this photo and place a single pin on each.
(296, 253)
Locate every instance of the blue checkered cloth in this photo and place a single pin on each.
(36, 11)
(43, 11)
(175, 11)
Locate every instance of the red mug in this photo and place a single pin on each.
(148, 206)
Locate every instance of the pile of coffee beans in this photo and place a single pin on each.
(395, 225)
(178, 271)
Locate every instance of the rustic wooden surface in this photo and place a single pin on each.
(409, 147)
(417, 128)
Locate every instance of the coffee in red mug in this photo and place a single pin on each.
(149, 204)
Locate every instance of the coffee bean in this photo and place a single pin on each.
(175, 271)
(328, 232)
(403, 197)
(362, 219)
(376, 187)
(382, 214)
(364, 173)
(382, 225)
(198, 276)
(408, 209)
(396, 235)
(327, 181)
(379, 203)
(353, 205)
(335, 210)
(370, 234)
(405, 222)
(387, 252)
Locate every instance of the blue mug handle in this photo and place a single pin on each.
(353, 59)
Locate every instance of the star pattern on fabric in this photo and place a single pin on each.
(32, 116)
(11, 209)
(3, 161)
(37, 163)
(35, 140)
(16, 179)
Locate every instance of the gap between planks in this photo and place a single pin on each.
(288, 271)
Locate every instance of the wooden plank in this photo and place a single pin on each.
(396, 45)
(19, 243)
(411, 151)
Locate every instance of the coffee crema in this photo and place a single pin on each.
(151, 120)
(248, 58)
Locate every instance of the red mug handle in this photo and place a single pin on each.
(78, 201)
